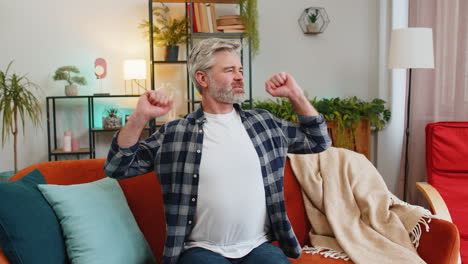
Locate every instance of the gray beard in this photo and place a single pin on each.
(225, 96)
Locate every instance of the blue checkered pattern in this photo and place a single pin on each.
(174, 153)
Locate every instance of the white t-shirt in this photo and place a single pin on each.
(231, 216)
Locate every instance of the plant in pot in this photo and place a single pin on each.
(313, 26)
(168, 33)
(64, 73)
(112, 121)
(17, 103)
(349, 120)
(351, 117)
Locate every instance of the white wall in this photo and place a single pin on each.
(43, 35)
(340, 62)
(392, 87)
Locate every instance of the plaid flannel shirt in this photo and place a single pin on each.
(174, 153)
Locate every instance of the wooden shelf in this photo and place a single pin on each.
(61, 152)
(218, 35)
(198, 1)
(171, 62)
(99, 129)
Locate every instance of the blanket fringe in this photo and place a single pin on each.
(326, 252)
(416, 233)
(426, 218)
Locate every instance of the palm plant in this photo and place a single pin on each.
(169, 31)
(16, 100)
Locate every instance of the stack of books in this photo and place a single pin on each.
(230, 24)
(204, 20)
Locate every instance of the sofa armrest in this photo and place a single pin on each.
(436, 201)
(441, 245)
(3, 258)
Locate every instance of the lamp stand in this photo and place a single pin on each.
(407, 132)
(138, 86)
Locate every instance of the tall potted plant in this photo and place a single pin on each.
(168, 32)
(16, 102)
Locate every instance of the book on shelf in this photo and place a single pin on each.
(229, 16)
(228, 21)
(197, 15)
(203, 18)
(209, 18)
(194, 20)
(234, 31)
(213, 16)
(231, 27)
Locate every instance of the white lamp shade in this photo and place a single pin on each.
(134, 69)
(411, 48)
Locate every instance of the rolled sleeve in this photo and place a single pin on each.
(311, 120)
(132, 161)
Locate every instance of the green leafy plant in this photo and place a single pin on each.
(64, 73)
(345, 112)
(167, 31)
(16, 101)
(112, 111)
(351, 110)
(314, 16)
(249, 16)
(281, 107)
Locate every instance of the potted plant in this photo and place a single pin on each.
(313, 27)
(17, 101)
(349, 120)
(112, 121)
(169, 33)
(65, 74)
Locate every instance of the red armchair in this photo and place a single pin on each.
(447, 175)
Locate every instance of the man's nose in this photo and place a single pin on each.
(238, 76)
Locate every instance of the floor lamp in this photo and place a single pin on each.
(410, 48)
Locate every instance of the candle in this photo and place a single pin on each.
(75, 144)
(67, 142)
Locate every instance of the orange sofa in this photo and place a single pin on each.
(143, 193)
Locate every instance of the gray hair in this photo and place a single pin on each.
(201, 56)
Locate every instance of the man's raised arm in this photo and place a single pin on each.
(127, 157)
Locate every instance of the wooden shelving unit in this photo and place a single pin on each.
(90, 150)
(191, 98)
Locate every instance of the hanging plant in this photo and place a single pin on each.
(249, 16)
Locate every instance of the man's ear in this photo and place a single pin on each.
(202, 78)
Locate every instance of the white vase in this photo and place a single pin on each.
(313, 28)
(71, 90)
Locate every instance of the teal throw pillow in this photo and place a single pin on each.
(97, 223)
(29, 229)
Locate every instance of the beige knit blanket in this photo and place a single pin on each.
(352, 213)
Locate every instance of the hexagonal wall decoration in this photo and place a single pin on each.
(314, 20)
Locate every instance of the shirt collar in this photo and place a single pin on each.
(199, 117)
